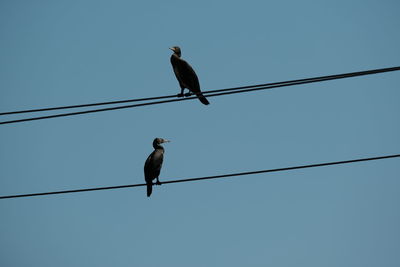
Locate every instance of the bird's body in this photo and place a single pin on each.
(186, 76)
(153, 164)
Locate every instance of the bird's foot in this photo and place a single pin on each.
(180, 95)
(188, 94)
(158, 182)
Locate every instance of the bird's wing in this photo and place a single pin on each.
(148, 162)
(152, 166)
(176, 71)
(175, 67)
(187, 76)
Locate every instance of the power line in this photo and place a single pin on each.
(315, 79)
(321, 78)
(86, 105)
(207, 177)
(153, 98)
(309, 80)
(210, 93)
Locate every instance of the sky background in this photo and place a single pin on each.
(72, 52)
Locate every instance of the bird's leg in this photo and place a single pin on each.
(181, 94)
(158, 182)
(188, 94)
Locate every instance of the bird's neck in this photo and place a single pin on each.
(158, 147)
(178, 55)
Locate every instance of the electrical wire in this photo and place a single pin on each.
(207, 177)
(211, 93)
(336, 76)
(86, 105)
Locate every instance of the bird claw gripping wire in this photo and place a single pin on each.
(184, 95)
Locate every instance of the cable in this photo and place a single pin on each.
(210, 93)
(145, 99)
(207, 177)
(86, 105)
(329, 77)
(310, 80)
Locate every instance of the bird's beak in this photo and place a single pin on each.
(166, 141)
(172, 49)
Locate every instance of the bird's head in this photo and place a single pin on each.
(176, 50)
(159, 141)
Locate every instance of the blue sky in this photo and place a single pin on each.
(70, 52)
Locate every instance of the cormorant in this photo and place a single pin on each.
(186, 76)
(152, 166)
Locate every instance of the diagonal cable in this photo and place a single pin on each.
(211, 93)
(209, 177)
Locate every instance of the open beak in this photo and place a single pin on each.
(172, 49)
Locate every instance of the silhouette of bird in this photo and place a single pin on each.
(153, 164)
(186, 76)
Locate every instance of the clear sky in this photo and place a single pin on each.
(71, 52)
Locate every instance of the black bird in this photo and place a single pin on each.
(186, 76)
(153, 164)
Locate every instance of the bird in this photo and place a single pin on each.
(186, 76)
(153, 164)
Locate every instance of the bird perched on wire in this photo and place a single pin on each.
(153, 164)
(186, 76)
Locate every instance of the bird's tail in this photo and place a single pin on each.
(203, 99)
(149, 188)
